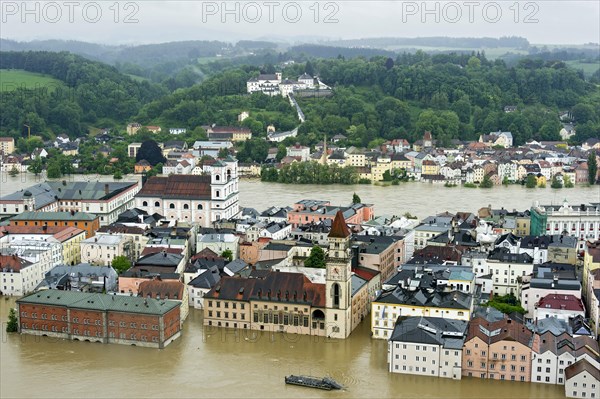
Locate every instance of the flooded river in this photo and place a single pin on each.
(214, 363)
(222, 363)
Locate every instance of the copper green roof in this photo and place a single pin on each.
(100, 302)
(51, 216)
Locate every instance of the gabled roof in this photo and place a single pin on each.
(581, 366)
(159, 289)
(177, 187)
(280, 287)
(13, 262)
(561, 302)
(207, 279)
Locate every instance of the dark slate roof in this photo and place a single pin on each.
(425, 298)
(159, 259)
(46, 193)
(236, 266)
(504, 255)
(445, 332)
(207, 279)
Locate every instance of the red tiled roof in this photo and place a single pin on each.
(563, 302)
(280, 287)
(177, 186)
(159, 289)
(339, 228)
(61, 233)
(13, 262)
(364, 273)
(206, 253)
(509, 330)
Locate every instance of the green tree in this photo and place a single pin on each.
(531, 181)
(36, 166)
(505, 181)
(227, 254)
(592, 167)
(556, 183)
(356, 199)
(13, 172)
(121, 264)
(506, 304)
(54, 170)
(13, 323)
(151, 152)
(118, 175)
(567, 181)
(474, 63)
(223, 153)
(387, 176)
(281, 152)
(487, 182)
(316, 258)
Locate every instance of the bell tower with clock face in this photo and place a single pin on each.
(338, 290)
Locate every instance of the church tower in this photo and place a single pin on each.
(323, 159)
(338, 290)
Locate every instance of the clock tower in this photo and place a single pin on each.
(338, 290)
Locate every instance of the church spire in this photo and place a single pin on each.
(323, 160)
(339, 228)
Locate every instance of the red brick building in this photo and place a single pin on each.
(100, 318)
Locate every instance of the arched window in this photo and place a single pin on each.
(336, 295)
(186, 206)
(145, 203)
(26, 207)
(157, 203)
(217, 177)
(199, 207)
(217, 193)
(171, 206)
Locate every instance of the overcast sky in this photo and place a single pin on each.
(111, 22)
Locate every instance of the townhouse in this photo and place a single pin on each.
(427, 346)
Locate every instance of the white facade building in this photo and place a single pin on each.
(427, 346)
(201, 199)
(101, 250)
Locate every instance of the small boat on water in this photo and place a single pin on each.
(313, 382)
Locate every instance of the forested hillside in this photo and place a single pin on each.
(456, 96)
(93, 94)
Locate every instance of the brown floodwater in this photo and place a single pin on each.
(211, 363)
